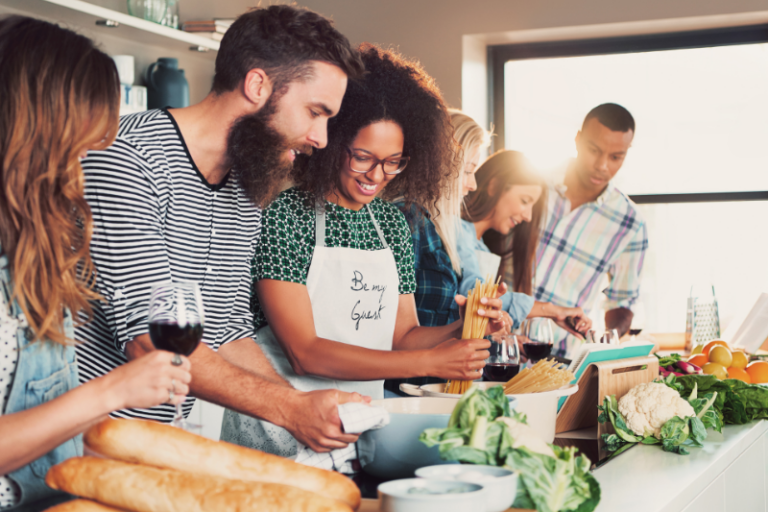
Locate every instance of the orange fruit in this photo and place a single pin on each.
(721, 355)
(740, 360)
(738, 373)
(699, 360)
(712, 344)
(758, 372)
(715, 369)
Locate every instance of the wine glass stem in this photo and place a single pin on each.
(179, 418)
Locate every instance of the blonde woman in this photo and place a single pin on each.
(60, 99)
(436, 228)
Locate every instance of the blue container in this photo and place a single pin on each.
(166, 84)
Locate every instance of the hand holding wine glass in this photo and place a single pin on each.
(176, 325)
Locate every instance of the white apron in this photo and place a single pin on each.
(354, 295)
(488, 263)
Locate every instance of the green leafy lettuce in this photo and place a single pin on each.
(737, 402)
(552, 479)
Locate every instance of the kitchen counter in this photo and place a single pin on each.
(729, 474)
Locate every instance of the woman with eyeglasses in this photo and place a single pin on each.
(334, 274)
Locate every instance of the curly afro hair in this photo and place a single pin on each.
(392, 89)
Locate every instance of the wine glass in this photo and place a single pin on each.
(540, 338)
(176, 325)
(504, 362)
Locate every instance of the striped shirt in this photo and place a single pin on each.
(578, 247)
(156, 219)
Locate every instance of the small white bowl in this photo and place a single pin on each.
(500, 484)
(449, 496)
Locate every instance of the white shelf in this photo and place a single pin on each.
(78, 14)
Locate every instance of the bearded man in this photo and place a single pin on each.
(178, 197)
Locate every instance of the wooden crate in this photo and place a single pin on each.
(599, 380)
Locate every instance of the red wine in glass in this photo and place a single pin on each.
(176, 325)
(500, 372)
(179, 339)
(537, 350)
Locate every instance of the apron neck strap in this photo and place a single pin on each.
(320, 226)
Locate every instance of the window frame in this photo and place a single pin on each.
(499, 55)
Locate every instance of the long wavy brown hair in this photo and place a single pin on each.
(393, 89)
(518, 249)
(60, 97)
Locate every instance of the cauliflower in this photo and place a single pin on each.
(647, 407)
(524, 435)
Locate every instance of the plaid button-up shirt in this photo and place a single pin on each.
(576, 248)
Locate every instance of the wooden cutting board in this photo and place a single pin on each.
(369, 505)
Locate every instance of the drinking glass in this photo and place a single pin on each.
(176, 324)
(504, 362)
(540, 338)
(150, 10)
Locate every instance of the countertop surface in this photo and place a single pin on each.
(648, 479)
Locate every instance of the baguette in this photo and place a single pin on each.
(82, 506)
(164, 446)
(140, 488)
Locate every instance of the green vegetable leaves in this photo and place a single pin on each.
(736, 403)
(609, 411)
(480, 432)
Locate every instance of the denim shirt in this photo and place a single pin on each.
(44, 371)
(518, 305)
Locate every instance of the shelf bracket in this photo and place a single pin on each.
(201, 49)
(108, 23)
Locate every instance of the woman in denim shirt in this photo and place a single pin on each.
(60, 99)
(505, 210)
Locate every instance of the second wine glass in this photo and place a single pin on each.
(176, 323)
(540, 338)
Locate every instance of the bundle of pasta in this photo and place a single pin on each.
(546, 375)
(474, 324)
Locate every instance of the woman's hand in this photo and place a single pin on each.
(489, 308)
(148, 381)
(459, 359)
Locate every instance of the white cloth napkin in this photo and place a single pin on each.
(356, 418)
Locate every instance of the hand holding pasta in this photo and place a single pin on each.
(474, 324)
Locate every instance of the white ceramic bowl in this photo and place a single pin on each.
(541, 408)
(397, 451)
(500, 484)
(398, 496)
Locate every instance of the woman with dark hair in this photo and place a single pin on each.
(500, 225)
(333, 275)
(60, 99)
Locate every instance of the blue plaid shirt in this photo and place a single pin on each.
(578, 247)
(436, 282)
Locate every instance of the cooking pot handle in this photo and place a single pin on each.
(150, 75)
(411, 389)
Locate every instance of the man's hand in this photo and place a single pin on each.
(313, 418)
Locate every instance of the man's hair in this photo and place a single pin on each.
(282, 40)
(612, 116)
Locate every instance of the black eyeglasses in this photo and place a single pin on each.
(363, 163)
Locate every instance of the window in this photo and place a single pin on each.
(698, 166)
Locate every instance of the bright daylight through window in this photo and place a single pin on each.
(701, 127)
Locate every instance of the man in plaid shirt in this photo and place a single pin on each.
(592, 228)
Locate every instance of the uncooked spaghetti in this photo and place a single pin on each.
(474, 325)
(546, 375)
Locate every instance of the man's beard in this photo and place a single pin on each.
(256, 153)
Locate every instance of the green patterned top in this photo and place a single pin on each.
(288, 240)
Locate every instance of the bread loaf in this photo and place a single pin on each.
(146, 489)
(82, 506)
(164, 446)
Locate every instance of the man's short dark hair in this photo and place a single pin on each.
(282, 40)
(612, 116)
